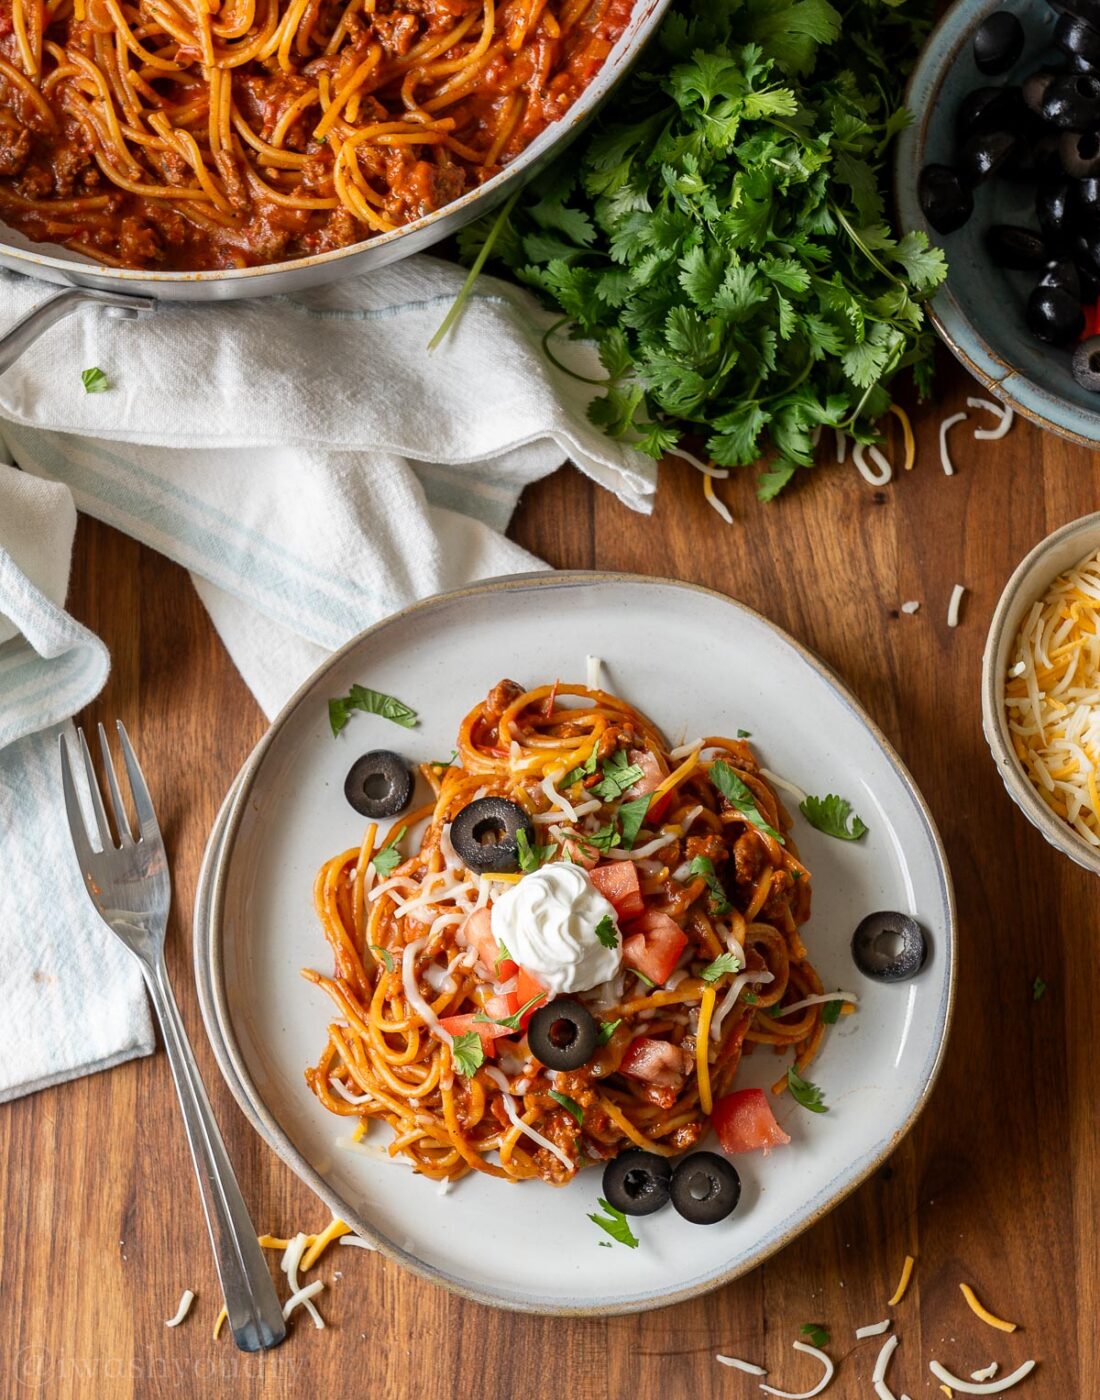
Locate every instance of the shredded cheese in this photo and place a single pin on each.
(826, 1362)
(219, 1320)
(183, 1309)
(841, 446)
(983, 1312)
(847, 997)
(873, 1329)
(788, 787)
(1004, 415)
(907, 435)
(953, 606)
(911, 607)
(675, 777)
(948, 1392)
(556, 799)
(749, 1367)
(332, 1231)
(707, 468)
(702, 1048)
(986, 1373)
(945, 427)
(941, 1373)
(713, 501)
(301, 1298)
(593, 665)
(903, 1282)
(885, 472)
(510, 1109)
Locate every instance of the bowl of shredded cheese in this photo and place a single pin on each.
(1041, 689)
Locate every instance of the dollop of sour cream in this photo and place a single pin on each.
(548, 920)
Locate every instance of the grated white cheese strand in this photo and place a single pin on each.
(873, 1329)
(1017, 670)
(292, 1257)
(717, 505)
(841, 446)
(911, 607)
(301, 1299)
(682, 750)
(953, 606)
(725, 1006)
(357, 1242)
(826, 1361)
(986, 1373)
(749, 1367)
(345, 1093)
(639, 853)
(582, 809)
(889, 1346)
(815, 1001)
(776, 781)
(183, 1309)
(885, 472)
(989, 1387)
(510, 1109)
(593, 665)
(707, 468)
(554, 796)
(412, 991)
(1004, 415)
(945, 427)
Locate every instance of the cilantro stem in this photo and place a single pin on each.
(475, 272)
(583, 378)
(854, 236)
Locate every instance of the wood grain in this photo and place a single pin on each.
(997, 1185)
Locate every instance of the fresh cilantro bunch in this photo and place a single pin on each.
(722, 233)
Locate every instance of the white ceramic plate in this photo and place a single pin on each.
(697, 663)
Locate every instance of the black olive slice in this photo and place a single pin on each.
(1072, 103)
(705, 1188)
(998, 42)
(1052, 209)
(985, 153)
(1054, 315)
(379, 784)
(1034, 88)
(1079, 153)
(1078, 39)
(889, 946)
(1018, 248)
(563, 1035)
(484, 834)
(1086, 364)
(637, 1182)
(946, 201)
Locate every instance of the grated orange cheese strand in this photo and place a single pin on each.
(332, 1231)
(907, 435)
(219, 1321)
(702, 1048)
(714, 502)
(903, 1282)
(677, 775)
(979, 1311)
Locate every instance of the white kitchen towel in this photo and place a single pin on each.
(312, 465)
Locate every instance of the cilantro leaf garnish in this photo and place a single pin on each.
(831, 1012)
(608, 1029)
(570, 1106)
(724, 963)
(643, 978)
(94, 381)
(805, 1093)
(385, 957)
(744, 733)
(468, 1053)
(530, 857)
(511, 1023)
(834, 816)
(388, 858)
(586, 769)
(631, 815)
(615, 1223)
(1038, 987)
(503, 956)
(601, 840)
(374, 702)
(739, 795)
(704, 866)
(618, 775)
(816, 1332)
(606, 932)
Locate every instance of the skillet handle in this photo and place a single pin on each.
(25, 332)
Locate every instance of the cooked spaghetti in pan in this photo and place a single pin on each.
(207, 134)
(571, 958)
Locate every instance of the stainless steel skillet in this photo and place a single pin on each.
(129, 293)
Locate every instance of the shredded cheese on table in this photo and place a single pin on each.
(826, 1361)
(984, 1313)
(954, 605)
(1052, 697)
(873, 1329)
(885, 472)
(219, 1320)
(986, 1373)
(1004, 415)
(749, 1367)
(713, 501)
(945, 427)
(911, 607)
(184, 1308)
(907, 435)
(941, 1373)
(903, 1282)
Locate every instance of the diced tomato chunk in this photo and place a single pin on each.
(744, 1121)
(462, 1025)
(528, 987)
(656, 1062)
(617, 881)
(651, 778)
(580, 854)
(478, 929)
(652, 946)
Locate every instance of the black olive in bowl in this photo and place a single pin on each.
(1054, 315)
(705, 1188)
(379, 784)
(1078, 39)
(985, 153)
(1079, 153)
(998, 42)
(947, 203)
(889, 946)
(563, 1035)
(989, 109)
(1072, 103)
(1086, 364)
(637, 1182)
(1012, 246)
(1052, 210)
(1034, 87)
(1062, 274)
(484, 834)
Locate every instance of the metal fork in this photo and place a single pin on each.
(129, 885)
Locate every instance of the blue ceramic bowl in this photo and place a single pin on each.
(979, 311)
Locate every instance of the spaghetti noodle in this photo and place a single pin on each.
(712, 862)
(204, 134)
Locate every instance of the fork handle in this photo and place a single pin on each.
(255, 1314)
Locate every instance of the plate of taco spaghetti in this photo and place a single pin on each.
(578, 939)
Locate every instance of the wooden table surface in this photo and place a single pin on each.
(997, 1184)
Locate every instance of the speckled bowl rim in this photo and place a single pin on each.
(1068, 420)
(1019, 593)
(209, 968)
